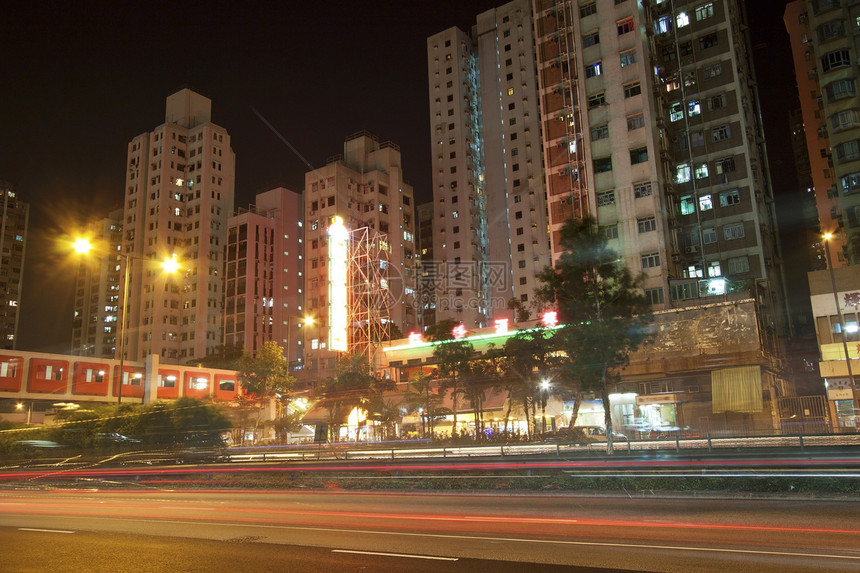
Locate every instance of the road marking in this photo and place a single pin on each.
(395, 555)
(512, 539)
(44, 530)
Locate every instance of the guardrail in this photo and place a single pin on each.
(373, 452)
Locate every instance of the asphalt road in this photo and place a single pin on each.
(248, 530)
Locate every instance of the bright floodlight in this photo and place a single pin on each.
(827, 236)
(171, 265)
(82, 246)
(338, 246)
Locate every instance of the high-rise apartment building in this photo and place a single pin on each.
(365, 190)
(426, 277)
(649, 122)
(490, 235)
(264, 268)
(13, 242)
(814, 105)
(97, 291)
(178, 196)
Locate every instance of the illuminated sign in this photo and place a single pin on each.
(501, 325)
(549, 318)
(338, 243)
(415, 338)
(459, 331)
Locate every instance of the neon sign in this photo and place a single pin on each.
(549, 318)
(338, 243)
(501, 325)
(459, 331)
(415, 338)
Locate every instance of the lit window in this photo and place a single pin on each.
(682, 173)
(705, 203)
(682, 20)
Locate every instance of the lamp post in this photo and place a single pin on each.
(827, 237)
(20, 406)
(83, 246)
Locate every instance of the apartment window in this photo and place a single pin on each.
(510, 91)
(844, 119)
(642, 189)
(605, 198)
(628, 58)
(636, 121)
(725, 165)
(603, 164)
(521, 247)
(592, 70)
(654, 295)
(709, 236)
(624, 26)
(506, 34)
(835, 59)
(638, 155)
(714, 269)
(596, 100)
(507, 47)
(701, 170)
(450, 98)
(712, 71)
(687, 206)
(523, 280)
(509, 77)
(591, 39)
(518, 215)
(650, 260)
(708, 41)
(512, 121)
(663, 25)
(518, 198)
(851, 183)
(633, 89)
(682, 19)
(647, 224)
(676, 111)
(520, 231)
(693, 108)
(610, 231)
(448, 70)
(588, 9)
(704, 12)
(682, 173)
(721, 133)
(830, 30)
(706, 203)
(738, 265)
(848, 151)
(449, 84)
(697, 139)
(733, 231)
(600, 132)
(685, 49)
(840, 89)
(521, 264)
(728, 198)
(455, 214)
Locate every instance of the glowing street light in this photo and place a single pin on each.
(83, 246)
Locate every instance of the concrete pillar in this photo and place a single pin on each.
(150, 379)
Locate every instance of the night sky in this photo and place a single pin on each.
(80, 80)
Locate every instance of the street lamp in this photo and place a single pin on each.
(827, 237)
(83, 246)
(20, 406)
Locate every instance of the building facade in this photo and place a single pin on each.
(97, 291)
(264, 275)
(824, 37)
(178, 196)
(364, 190)
(818, 156)
(487, 165)
(13, 243)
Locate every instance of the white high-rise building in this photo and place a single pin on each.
(178, 196)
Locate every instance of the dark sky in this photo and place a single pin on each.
(82, 79)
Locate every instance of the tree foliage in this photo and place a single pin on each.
(264, 377)
(532, 368)
(423, 398)
(453, 359)
(353, 386)
(598, 300)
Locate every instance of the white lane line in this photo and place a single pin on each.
(396, 555)
(44, 530)
(511, 539)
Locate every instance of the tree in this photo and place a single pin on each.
(452, 360)
(531, 364)
(352, 387)
(265, 377)
(423, 398)
(605, 315)
(442, 330)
